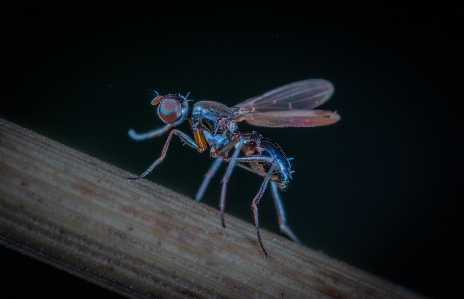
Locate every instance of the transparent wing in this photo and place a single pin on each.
(302, 95)
(289, 106)
(292, 118)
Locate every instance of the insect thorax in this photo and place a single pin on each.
(213, 116)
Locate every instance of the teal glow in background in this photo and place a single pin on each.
(376, 190)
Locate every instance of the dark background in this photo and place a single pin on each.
(378, 190)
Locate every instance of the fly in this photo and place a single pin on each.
(214, 125)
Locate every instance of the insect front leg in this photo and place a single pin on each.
(184, 137)
(284, 228)
(151, 134)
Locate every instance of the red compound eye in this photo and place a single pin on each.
(170, 110)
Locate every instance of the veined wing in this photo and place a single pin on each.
(301, 95)
(289, 106)
(291, 118)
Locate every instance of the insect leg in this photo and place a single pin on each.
(184, 137)
(249, 159)
(208, 176)
(284, 228)
(225, 179)
(254, 205)
(151, 134)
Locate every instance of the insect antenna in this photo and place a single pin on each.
(155, 93)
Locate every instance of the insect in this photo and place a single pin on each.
(215, 125)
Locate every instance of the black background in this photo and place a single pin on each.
(378, 190)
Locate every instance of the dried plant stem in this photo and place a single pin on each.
(138, 239)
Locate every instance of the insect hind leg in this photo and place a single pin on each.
(254, 205)
(284, 228)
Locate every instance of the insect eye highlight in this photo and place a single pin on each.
(170, 110)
